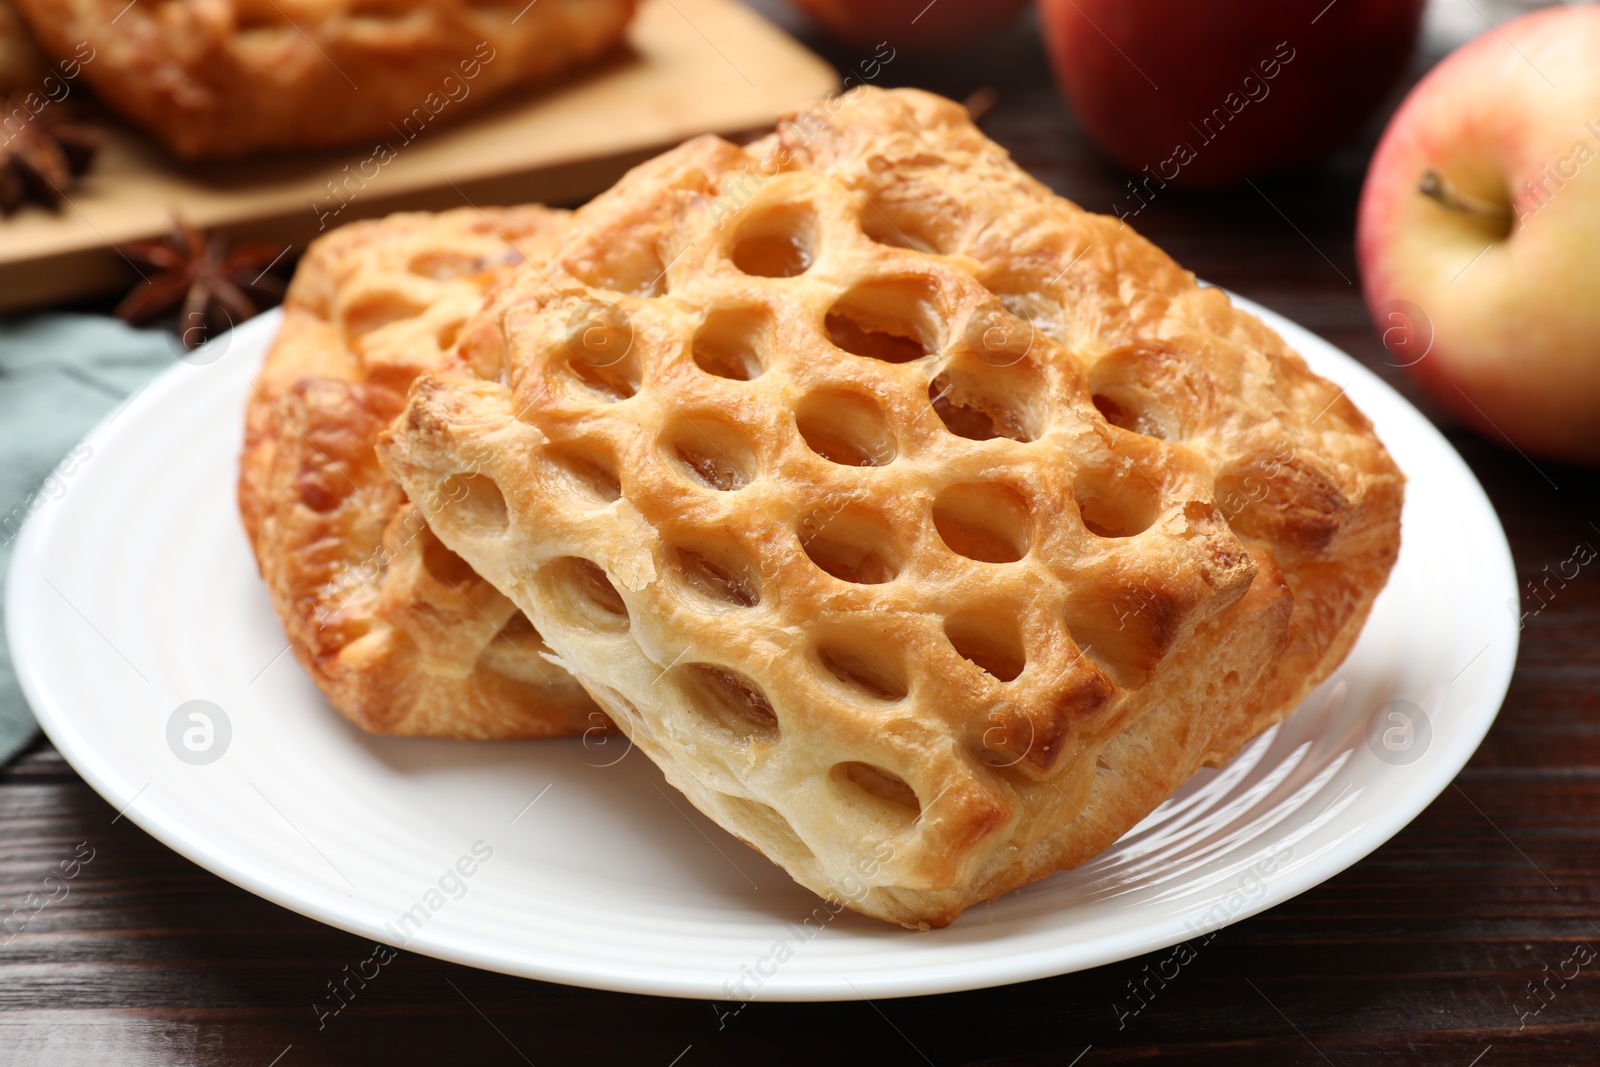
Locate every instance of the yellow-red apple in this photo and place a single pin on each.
(1479, 233)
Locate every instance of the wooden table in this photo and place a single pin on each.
(1422, 953)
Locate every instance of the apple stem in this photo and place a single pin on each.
(1434, 187)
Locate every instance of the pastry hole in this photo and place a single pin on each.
(845, 428)
(1127, 635)
(374, 311)
(578, 591)
(847, 332)
(778, 243)
(1131, 630)
(600, 352)
(1127, 414)
(729, 701)
(988, 522)
(478, 502)
(1151, 388)
(899, 228)
(893, 320)
(612, 382)
(851, 545)
(730, 343)
(878, 789)
(444, 265)
(1116, 504)
(768, 826)
(249, 18)
(516, 652)
(380, 21)
(711, 453)
(877, 678)
(446, 337)
(587, 474)
(994, 644)
(720, 575)
(984, 402)
(322, 487)
(1115, 648)
(378, 10)
(443, 565)
(518, 628)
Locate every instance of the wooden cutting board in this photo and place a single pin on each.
(691, 66)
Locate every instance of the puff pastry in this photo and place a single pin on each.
(395, 629)
(927, 530)
(221, 78)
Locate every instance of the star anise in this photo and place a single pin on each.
(213, 286)
(41, 153)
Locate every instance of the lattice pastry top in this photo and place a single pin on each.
(396, 630)
(221, 78)
(921, 601)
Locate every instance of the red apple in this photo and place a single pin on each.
(1479, 233)
(909, 25)
(1206, 94)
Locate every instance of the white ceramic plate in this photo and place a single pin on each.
(134, 593)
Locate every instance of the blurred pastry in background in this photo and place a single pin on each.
(43, 148)
(401, 636)
(21, 65)
(214, 79)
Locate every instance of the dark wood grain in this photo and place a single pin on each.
(1422, 953)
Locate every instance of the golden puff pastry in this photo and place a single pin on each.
(222, 78)
(396, 630)
(910, 517)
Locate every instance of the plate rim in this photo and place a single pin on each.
(233, 864)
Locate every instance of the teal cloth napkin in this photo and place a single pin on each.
(59, 374)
